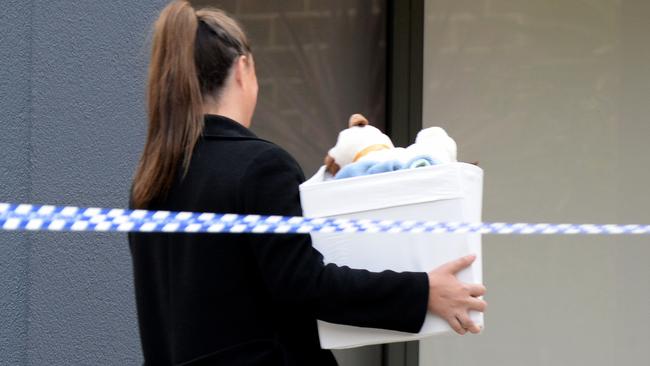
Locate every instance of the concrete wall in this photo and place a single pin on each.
(71, 94)
(15, 91)
(552, 98)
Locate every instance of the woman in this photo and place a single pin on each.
(229, 299)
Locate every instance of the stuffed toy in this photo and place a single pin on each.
(363, 149)
(354, 143)
(434, 142)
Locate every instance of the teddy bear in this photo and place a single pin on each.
(363, 149)
(354, 143)
(434, 142)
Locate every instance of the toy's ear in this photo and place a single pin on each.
(331, 166)
(357, 120)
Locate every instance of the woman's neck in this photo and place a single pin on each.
(223, 109)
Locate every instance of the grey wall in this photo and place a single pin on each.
(72, 126)
(15, 41)
(553, 98)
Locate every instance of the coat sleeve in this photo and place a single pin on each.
(294, 271)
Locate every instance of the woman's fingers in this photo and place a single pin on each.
(467, 323)
(455, 325)
(477, 304)
(457, 265)
(476, 290)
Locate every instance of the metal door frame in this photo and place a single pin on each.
(405, 47)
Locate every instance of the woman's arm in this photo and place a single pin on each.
(295, 273)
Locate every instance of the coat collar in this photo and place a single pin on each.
(224, 127)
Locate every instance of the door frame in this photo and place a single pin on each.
(405, 55)
(405, 47)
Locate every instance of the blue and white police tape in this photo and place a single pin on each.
(69, 218)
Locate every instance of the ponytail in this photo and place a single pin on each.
(174, 104)
(192, 53)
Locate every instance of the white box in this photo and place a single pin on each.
(446, 192)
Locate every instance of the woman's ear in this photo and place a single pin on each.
(243, 69)
(239, 69)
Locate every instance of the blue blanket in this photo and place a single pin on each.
(367, 167)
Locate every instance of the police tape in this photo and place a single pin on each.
(70, 218)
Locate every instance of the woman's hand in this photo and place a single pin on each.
(451, 299)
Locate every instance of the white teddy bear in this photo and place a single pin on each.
(435, 142)
(364, 143)
(355, 143)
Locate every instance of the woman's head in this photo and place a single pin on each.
(224, 62)
(200, 61)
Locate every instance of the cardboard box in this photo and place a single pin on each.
(446, 192)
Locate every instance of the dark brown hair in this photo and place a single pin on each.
(192, 53)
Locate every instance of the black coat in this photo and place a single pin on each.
(251, 299)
